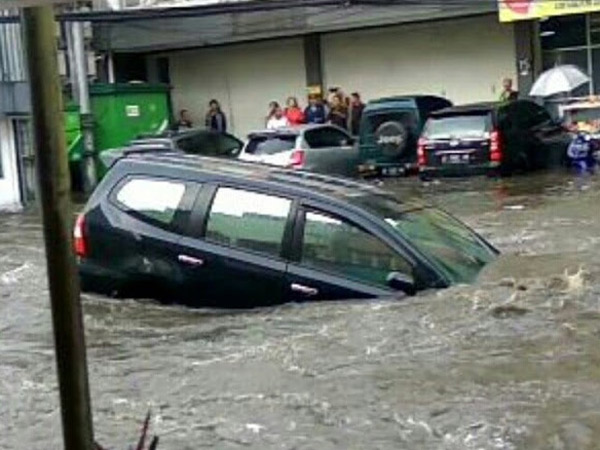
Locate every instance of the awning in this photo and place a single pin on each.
(162, 30)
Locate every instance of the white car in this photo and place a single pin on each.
(318, 148)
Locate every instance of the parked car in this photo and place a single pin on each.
(194, 141)
(211, 232)
(389, 131)
(496, 138)
(316, 148)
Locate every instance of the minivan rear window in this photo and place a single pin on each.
(471, 125)
(269, 145)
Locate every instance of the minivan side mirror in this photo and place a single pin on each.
(401, 282)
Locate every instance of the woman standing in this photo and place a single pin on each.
(215, 118)
(294, 114)
(273, 105)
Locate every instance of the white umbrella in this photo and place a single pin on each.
(557, 80)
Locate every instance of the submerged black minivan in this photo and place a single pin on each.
(211, 232)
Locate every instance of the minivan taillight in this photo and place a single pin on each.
(421, 152)
(79, 237)
(297, 159)
(495, 146)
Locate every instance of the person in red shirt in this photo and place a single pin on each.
(294, 114)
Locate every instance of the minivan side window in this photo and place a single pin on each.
(335, 245)
(326, 137)
(248, 220)
(151, 199)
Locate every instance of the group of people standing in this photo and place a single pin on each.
(214, 119)
(340, 110)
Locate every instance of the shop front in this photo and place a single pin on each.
(566, 32)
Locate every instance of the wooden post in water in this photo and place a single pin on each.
(54, 190)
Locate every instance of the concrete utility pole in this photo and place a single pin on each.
(53, 175)
(80, 82)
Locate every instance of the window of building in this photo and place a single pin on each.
(573, 39)
(248, 220)
(25, 150)
(156, 201)
(335, 245)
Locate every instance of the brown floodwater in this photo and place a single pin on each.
(511, 362)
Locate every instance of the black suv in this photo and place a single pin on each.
(493, 138)
(211, 232)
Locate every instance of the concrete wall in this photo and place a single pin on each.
(243, 77)
(462, 59)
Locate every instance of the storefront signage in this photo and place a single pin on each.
(132, 111)
(512, 10)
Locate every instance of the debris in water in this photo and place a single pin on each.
(514, 207)
(507, 282)
(507, 311)
(575, 281)
(142, 441)
(255, 427)
(567, 282)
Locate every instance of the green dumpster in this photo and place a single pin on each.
(122, 112)
(73, 132)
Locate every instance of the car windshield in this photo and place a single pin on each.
(269, 145)
(472, 125)
(444, 240)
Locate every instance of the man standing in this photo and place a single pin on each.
(184, 121)
(315, 111)
(356, 110)
(215, 118)
(508, 94)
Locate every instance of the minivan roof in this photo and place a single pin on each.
(295, 182)
(288, 131)
(404, 98)
(399, 101)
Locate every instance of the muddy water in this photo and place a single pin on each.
(512, 362)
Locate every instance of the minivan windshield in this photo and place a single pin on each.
(459, 252)
(448, 127)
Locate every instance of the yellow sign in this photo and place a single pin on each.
(512, 10)
(314, 90)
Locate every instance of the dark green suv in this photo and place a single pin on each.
(389, 131)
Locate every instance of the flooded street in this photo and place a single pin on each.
(512, 362)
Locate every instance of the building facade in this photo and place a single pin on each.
(15, 143)
(247, 53)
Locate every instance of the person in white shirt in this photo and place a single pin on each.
(278, 120)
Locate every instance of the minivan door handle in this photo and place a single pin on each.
(190, 260)
(304, 290)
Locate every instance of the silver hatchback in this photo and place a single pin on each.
(324, 149)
